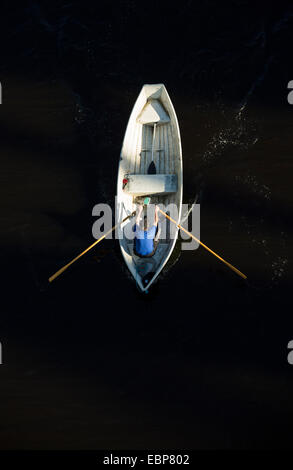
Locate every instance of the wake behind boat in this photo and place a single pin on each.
(150, 165)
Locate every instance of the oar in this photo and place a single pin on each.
(88, 249)
(206, 247)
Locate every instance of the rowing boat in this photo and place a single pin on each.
(150, 165)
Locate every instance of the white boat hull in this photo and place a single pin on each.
(143, 143)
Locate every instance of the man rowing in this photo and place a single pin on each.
(145, 244)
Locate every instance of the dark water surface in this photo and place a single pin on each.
(201, 362)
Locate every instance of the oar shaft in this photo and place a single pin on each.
(206, 247)
(60, 271)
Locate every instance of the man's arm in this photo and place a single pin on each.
(137, 220)
(156, 216)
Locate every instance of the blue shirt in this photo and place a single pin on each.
(144, 240)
